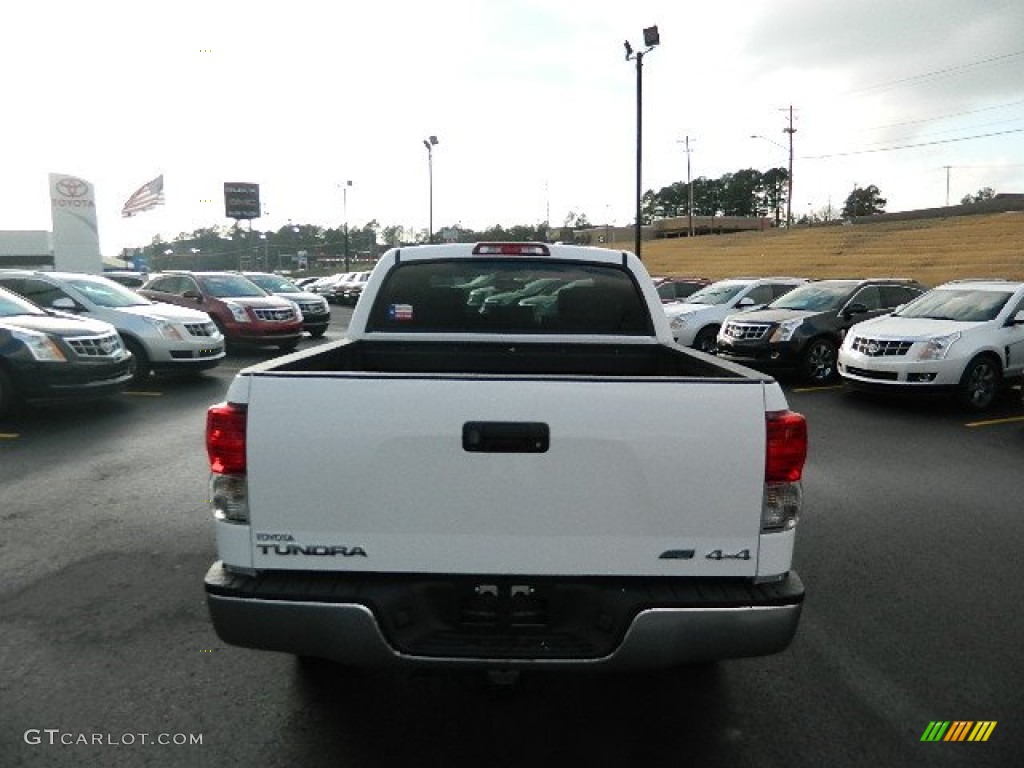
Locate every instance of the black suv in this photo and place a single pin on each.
(52, 356)
(803, 330)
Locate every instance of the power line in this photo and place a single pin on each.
(943, 117)
(929, 134)
(911, 146)
(935, 73)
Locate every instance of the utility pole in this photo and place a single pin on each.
(344, 203)
(789, 193)
(689, 187)
(547, 205)
(947, 167)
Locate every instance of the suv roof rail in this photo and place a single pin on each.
(765, 277)
(982, 280)
(869, 279)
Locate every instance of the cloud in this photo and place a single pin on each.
(921, 54)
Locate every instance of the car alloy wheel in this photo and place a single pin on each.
(979, 384)
(139, 366)
(820, 361)
(707, 340)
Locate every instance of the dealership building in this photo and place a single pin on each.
(28, 249)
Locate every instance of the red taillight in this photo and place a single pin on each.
(225, 438)
(787, 447)
(511, 249)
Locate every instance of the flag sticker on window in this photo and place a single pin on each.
(958, 730)
(400, 312)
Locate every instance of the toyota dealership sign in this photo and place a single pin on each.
(76, 239)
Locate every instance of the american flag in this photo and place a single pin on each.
(145, 197)
(400, 311)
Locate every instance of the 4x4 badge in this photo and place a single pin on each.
(717, 554)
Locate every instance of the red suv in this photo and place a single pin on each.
(244, 312)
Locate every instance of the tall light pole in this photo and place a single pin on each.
(430, 142)
(344, 206)
(651, 39)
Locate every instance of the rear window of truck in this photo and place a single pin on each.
(510, 296)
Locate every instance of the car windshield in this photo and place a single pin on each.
(816, 297)
(227, 286)
(12, 305)
(964, 305)
(716, 293)
(274, 284)
(106, 293)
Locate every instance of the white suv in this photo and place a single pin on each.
(695, 321)
(966, 337)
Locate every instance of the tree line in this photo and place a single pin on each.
(236, 247)
(747, 192)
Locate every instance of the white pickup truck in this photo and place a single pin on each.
(545, 484)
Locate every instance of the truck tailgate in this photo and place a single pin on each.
(639, 476)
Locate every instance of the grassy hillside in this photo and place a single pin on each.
(932, 251)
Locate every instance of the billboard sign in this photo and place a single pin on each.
(241, 200)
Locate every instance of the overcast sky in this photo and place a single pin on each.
(532, 102)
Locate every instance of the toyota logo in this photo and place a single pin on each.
(72, 187)
(873, 348)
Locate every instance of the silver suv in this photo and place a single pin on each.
(696, 320)
(161, 337)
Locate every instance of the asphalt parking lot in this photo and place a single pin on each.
(909, 546)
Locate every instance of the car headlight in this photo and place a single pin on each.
(166, 329)
(786, 330)
(41, 346)
(238, 312)
(937, 347)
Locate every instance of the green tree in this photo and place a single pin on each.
(740, 192)
(985, 193)
(706, 196)
(774, 191)
(864, 201)
(393, 235)
(650, 207)
(576, 220)
(670, 201)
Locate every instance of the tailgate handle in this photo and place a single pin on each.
(505, 437)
